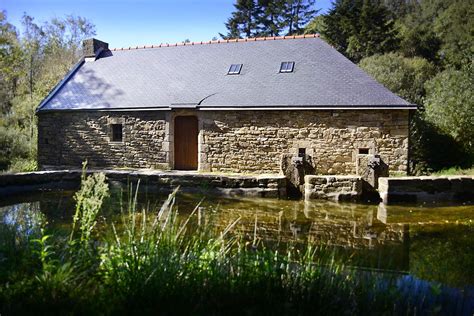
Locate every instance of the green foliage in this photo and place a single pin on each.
(269, 18)
(417, 39)
(423, 38)
(455, 27)
(403, 76)
(360, 28)
(23, 165)
(30, 66)
(151, 261)
(297, 14)
(455, 171)
(440, 31)
(244, 19)
(425, 154)
(316, 26)
(449, 105)
(10, 62)
(89, 200)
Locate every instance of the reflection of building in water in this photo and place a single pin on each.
(347, 226)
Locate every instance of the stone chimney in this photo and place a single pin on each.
(92, 48)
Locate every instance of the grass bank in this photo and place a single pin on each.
(455, 171)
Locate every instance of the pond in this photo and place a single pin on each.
(432, 243)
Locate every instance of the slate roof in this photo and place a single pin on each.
(195, 76)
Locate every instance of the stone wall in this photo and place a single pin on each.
(229, 141)
(452, 189)
(337, 188)
(150, 181)
(68, 138)
(253, 141)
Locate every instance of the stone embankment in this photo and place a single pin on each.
(338, 188)
(451, 189)
(212, 183)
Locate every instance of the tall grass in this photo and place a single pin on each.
(455, 171)
(156, 262)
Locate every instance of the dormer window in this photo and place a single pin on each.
(234, 69)
(287, 66)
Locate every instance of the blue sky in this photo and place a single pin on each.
(124, 23)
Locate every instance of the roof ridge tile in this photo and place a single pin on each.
(224, 41)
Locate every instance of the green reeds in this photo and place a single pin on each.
(157, 262)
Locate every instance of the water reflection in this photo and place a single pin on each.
(434, 243)
(24, 220)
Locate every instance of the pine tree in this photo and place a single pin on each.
(297, 14)
(360, 28)
(375, 33)
(244, 21)
(341, 23)
(271, 17)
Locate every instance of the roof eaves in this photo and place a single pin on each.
(318, 107)
(239, 108)
(60, 85)
(236, 40)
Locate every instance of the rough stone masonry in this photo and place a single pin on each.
(229, 141)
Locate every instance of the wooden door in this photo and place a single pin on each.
(186, 143)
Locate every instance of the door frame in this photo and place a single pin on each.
(170, 144)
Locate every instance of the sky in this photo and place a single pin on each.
(124, 23)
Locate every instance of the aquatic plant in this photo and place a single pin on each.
(89, 199)
(157, 262)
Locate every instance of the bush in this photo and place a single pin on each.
(404, 76)
(432, 150)
(449, 105)
(23, 165)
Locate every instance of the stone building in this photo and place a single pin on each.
(221, 106)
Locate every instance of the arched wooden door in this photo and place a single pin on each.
(186, 143)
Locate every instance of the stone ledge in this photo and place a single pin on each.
(334, 187)
(457, 189)
(222, 184)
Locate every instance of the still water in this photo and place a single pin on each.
(431, 243)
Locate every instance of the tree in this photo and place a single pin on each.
(439, 30)
(449, 104)
(400, 8)
(455, 27)
(374, 32)
(30, 66)
(360, 28)
(271, 17)
(418, 39)
(316, 26)
(297, 14)
(403, 76)
(32, 44)
(10, 63)
(244, 21)
(340, 23)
